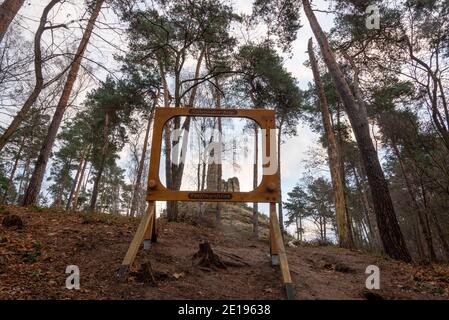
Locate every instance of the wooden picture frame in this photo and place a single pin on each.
(268, 189)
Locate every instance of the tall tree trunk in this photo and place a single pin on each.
(74, 203)
(219, 151)
(219, 205)
(83, 190)
(427, 200)
(203, 176)
(77, 177)
(425, 227)
(281, 215)
(62, 181)
(321, 228)
(142, 203)
(417, 233)
(172, 214)
(104, 154)
(41, 163)
(39, 84)
(441, 234)
(366, 237)
(177, 169)
(343, 227)
(195, 82)
(8, 10)
(297, 227)
(391, 235)
(325, 228)
(23, 179)
(13, 171)
(137, 185)
(255, 233)
(366, 207)
(96, 187)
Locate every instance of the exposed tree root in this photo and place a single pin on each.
(207, 260)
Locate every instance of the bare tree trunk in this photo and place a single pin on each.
(391, 235)
(366, 208)
(80, 182)
(297, 228)
(255, 233)
(142, 204)
(203, 176)
(41, 163)
(177, 169)
(96, 187)
(219, 206)
(425, 227)
(281, 214)
(87, 179)
(325, 228)
(321, 228)
(419, 243)
(58, 200)
(77, 177)
(23, 179)
(8, 10)
(219, 151)
(11, 178)
(426, 198)
(441, 234)
(137, 185)
(195, 82)
(172, 214)
(38, 86)
(13, 171)
(343, 227)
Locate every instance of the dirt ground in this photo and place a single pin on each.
(33, 261)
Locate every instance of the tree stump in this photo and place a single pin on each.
(206, 258)
(146, 274)
(11, 221)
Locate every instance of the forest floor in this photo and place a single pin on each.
(33, 261)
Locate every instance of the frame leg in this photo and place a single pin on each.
(139, 236)
(274, 253)
(150, 232)
(154, 234)
(276, 239)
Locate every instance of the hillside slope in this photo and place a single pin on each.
(33, 261)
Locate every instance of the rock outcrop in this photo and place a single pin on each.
(230, 185)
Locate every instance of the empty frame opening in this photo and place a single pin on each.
(216, 154)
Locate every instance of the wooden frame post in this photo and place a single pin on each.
(151, 231)
(144, 231)
(277, 242)
(274, 252)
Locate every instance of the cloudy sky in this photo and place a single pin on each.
(294, 150)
